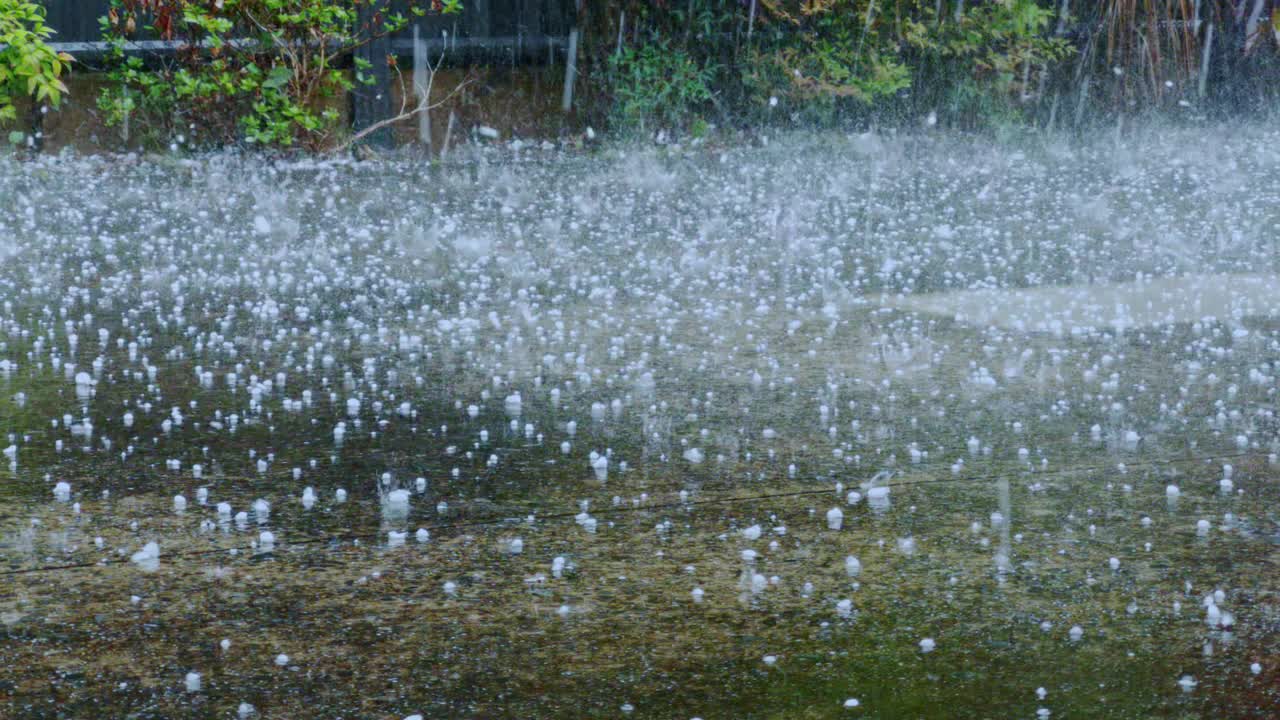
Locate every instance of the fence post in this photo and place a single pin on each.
(571, 62)
(372, 103)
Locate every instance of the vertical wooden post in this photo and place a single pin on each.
(422, 82)
(372, 103)
(571, 62)
(570, 71)
(1203, 85)
(478, 18)
(1082, 99)
(36, 117)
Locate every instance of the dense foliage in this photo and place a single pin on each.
(28, 66)
(979, 63)
(265, 72)
(277, 73)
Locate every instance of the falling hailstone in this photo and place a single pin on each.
(148, 558)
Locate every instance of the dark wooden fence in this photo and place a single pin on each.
(489, 32)
(485, 31)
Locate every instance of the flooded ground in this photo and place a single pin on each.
(838, 426)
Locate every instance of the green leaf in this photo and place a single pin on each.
(278, 77)
(16, 137)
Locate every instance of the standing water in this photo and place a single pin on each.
(666, 413)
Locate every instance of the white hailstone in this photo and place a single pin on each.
(770, 660)
(422, 535)
(396, 539)
(752, 533)
(282, 660)
(852, 566)
(749, 556)
(878, 497)
(193, 682)
(224, 509)
(852, 703)
(844, 608)
(246, 710)
(1187, 683)
(450, 588)
(1256, 668)
(148, 558)
(396, 503)
(62, 492)
(261, 510)
(1041, 693)
(516, 546)
(1172, 491)
(557, 567)
(308, 497)
(266, 541)
(225, 644)
(340, 496)
(413, 717)
(1114, 563)
(420, 484)
(1212, 616)
(1075, 633)
(179, 503)
(853, 498)
(1202, 527)
(697, 594)
(694, 456)
(927, 645)
(835, 518)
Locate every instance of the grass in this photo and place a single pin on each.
(370, 630)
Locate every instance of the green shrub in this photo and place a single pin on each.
(862, 55)
(658, 83)
(261, 72)
(28, 66)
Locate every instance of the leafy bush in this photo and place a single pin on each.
(28, 66)
(263, 72)
(975, 62)
(657, 83)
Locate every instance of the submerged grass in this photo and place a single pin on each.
(756, 319)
